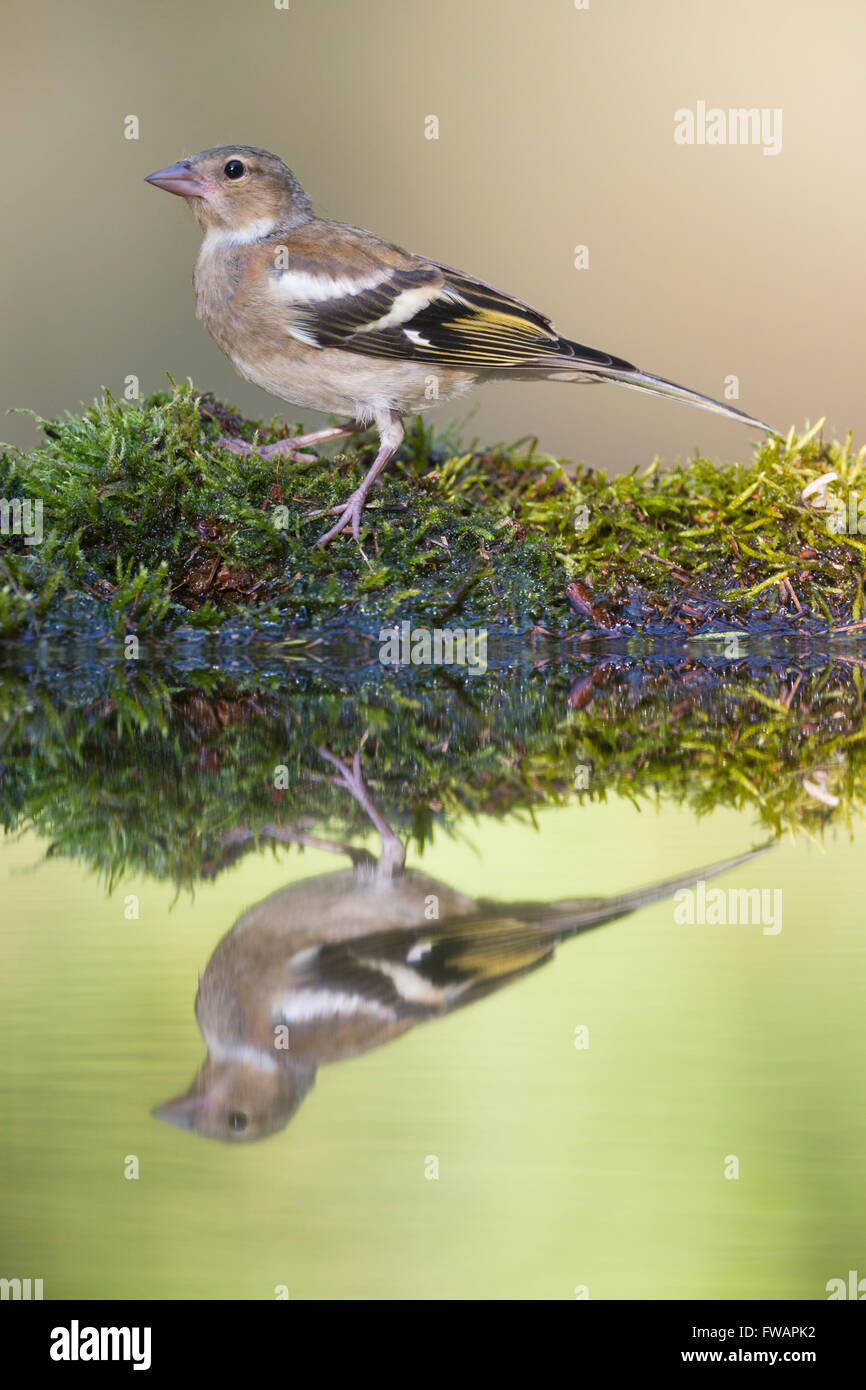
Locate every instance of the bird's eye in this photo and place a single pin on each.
(235, 169)
(237, 1121)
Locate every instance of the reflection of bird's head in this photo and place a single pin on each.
(238, 1101)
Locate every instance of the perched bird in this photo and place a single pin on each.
(332, 318)
(333, 966)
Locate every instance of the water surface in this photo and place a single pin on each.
(488, 1151)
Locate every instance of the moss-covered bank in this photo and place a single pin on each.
(149, 528)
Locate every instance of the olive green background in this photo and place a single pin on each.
(558, 1167)
(556, 130)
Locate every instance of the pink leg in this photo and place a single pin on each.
(391, 437)
(289, 835)
(393, 857)
(290, 446)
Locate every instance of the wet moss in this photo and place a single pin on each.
(145, 767)
(151, 528)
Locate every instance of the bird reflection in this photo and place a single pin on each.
(338, 964)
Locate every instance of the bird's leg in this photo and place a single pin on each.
(297, 835)
(291, 446)
(393, 858)
(390, 438)
(300, 837)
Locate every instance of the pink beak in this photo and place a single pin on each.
(181, 179)
(183, 1111)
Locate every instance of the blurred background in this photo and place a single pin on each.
(555, 130)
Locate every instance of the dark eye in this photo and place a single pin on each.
(237, 1121)
(235, 169)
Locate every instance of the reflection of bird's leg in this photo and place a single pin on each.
(296, 835)
(393, 859)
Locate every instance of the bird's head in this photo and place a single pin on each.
(238, 1102)
(238, 189)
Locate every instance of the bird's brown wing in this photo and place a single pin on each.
(428, 970)
(406, 307)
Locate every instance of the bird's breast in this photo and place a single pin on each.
(235, 303)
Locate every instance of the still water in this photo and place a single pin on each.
(432, 1058)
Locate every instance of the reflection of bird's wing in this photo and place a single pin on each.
(349, 995)
(430, 969)
(502, 940)
(346, 997)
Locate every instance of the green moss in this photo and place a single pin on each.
(149, 527)
(145, 767)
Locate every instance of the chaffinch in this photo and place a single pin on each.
(336, 965)
(332, 318)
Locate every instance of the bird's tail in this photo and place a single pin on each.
(659, 386)
(599, 366)
(568, 917)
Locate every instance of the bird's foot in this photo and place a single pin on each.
(346, 513)
(291, 448)
(391, 437)
(351, 779)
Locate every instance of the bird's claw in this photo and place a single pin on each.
(346, 512)
(351, 779)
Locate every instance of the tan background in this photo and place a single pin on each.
(556, 128)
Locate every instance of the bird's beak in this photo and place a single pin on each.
(181, 179)
(184, 1111)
